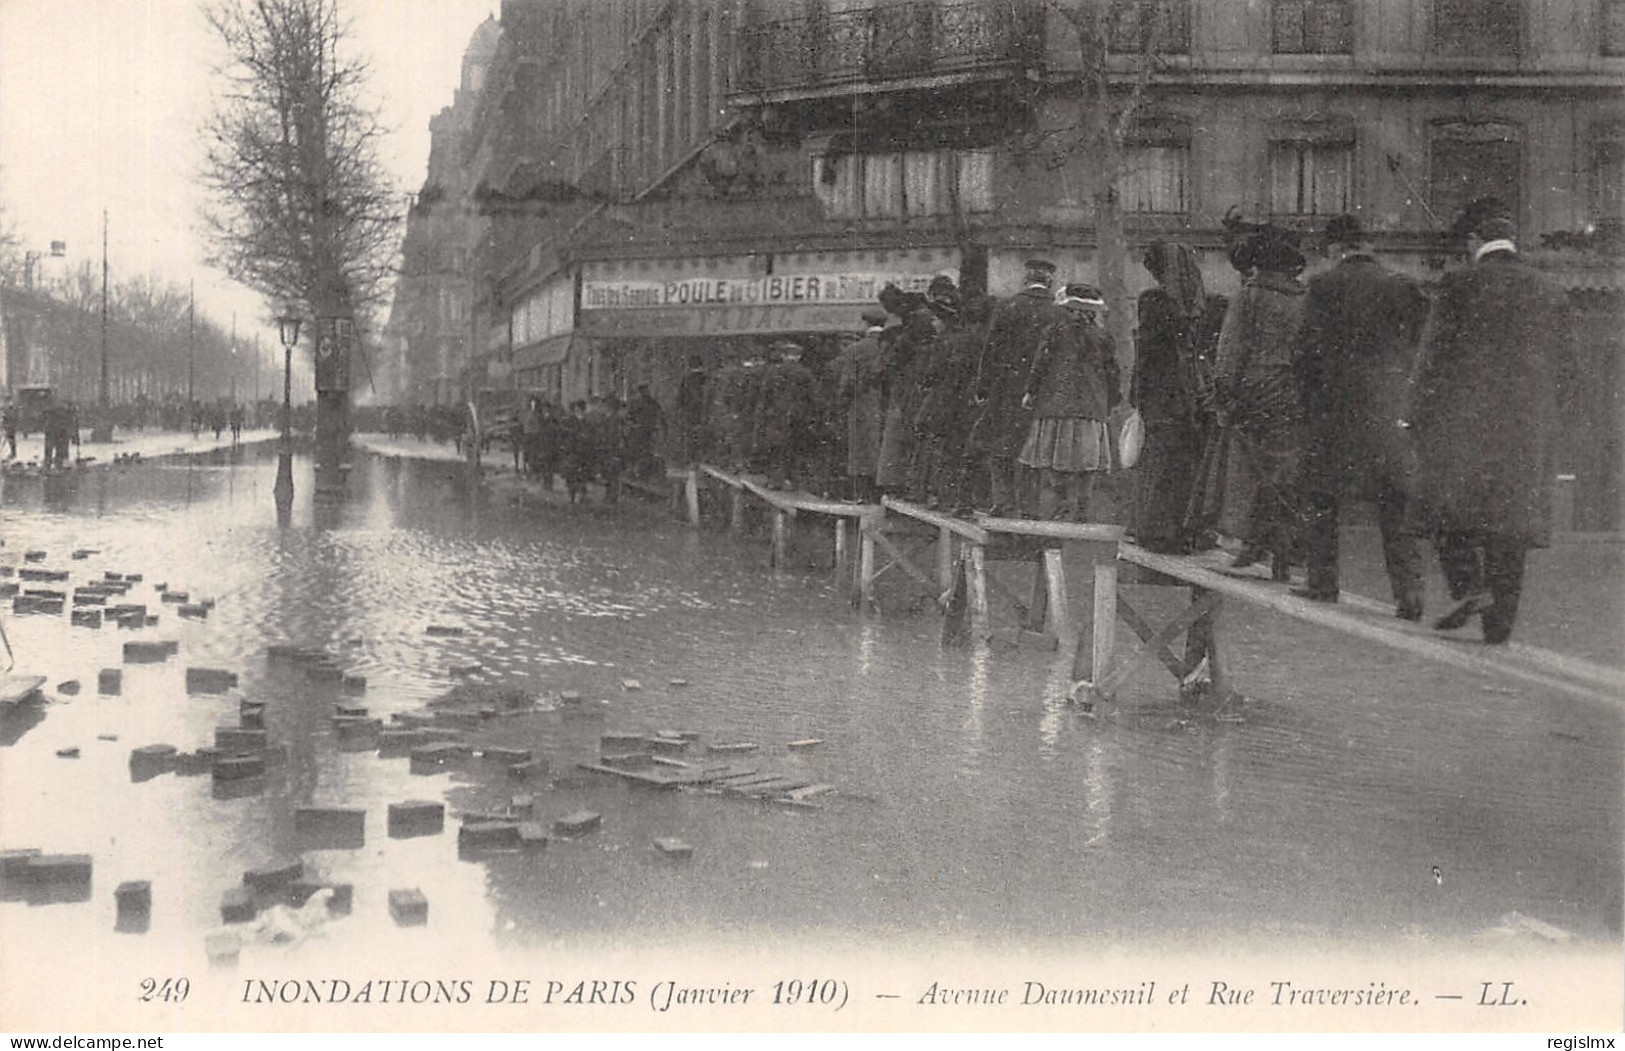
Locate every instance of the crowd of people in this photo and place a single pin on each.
(1262, 414)
(1355, 383)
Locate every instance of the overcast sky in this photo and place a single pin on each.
(100, 101)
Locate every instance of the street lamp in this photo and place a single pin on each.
(288, 327)
(288, 324)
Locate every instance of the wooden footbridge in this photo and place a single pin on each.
(949, 557)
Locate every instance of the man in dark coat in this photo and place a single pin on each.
(1358, 344)
(691, 418)
(1007, 362)
(1483, 408)
(942, 418)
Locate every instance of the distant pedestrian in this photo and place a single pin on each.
(1483, 409)
(9, 413)
(693, 428)
(1358, 345)
(1070, 393)
(645, 434)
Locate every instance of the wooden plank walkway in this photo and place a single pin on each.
(895, 534)
(1355, 615)
(782, 504)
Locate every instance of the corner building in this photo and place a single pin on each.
(701, 178)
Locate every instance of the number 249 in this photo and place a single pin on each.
(170, 990)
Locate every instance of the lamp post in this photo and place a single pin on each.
(288, 327)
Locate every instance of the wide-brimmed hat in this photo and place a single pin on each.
(875, 316)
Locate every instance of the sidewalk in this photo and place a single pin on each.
(404, 448)
(143, 445)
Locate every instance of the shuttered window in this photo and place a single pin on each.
(1314, 27)
(1168, 22)
(1477, 28)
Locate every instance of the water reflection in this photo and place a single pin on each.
(968, 796)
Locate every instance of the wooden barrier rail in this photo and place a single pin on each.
(1362, 618)
(783, 505)
(892, 532)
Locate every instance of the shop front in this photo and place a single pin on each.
(672, 324)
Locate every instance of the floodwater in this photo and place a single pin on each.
(1361, 795)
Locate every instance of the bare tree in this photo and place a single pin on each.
(301, 208)
(1107, 107)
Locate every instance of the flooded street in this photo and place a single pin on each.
(1364, 796)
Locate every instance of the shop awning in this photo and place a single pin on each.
(549, 351)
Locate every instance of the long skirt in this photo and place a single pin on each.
(1165, 478)
(896, 451)
(1068, 444)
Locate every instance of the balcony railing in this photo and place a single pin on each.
(889, 41)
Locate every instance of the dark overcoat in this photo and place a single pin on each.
(1483, 402)
(1013, 334)
(1357, 349)
(945, 400)
(1074, 374)
(859, 370)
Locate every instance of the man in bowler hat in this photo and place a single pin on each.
(1357, 345)
(1483, 409)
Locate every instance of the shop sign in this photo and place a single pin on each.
(705, 305)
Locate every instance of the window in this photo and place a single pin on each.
(1608, 173)
(1168, 20)
(908, 183)
(1480, 28)
(1313, 27)
(1471, 160)
(1311, 178)
(1153, 179)
(1612, 17)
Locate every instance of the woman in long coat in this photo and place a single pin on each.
(1070, 392)
(1249, 473)
(1168, 391)
(858, 372)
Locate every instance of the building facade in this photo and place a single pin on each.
(701, 178)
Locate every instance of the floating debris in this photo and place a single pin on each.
(416, 817)
(443, 631)
(674, 848)
(134, 898)
(409, 907)
(578, 823)
(802, 745)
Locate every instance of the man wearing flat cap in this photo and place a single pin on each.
(1482, 409)
(1357, 345)
(1013, 335)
